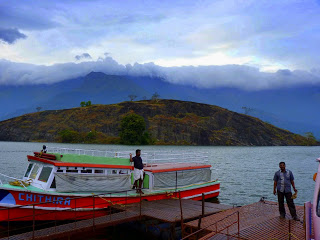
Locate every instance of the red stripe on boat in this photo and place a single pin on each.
(68, 164)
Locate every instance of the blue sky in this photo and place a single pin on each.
(238, 43)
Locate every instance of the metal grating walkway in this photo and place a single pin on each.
(168, 210)
(256, 221)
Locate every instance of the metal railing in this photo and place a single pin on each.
(149, 157)
(94, 206)
(222, 229)
(16, 179)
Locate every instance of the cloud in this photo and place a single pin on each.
(12, 73)
(31, 15)
(283, 32)
(83, 56)
(11, 35)
(233, 76)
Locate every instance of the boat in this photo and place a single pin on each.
(64, 183)
(312, 210)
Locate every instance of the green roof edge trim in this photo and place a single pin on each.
(75, 158)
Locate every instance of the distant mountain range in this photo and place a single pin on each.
(295, 109)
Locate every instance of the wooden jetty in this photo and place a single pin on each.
(168, 210)
(255, 221)
(174, 211)
(198, 220)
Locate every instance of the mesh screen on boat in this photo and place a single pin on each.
(181, 178)
(89, 182)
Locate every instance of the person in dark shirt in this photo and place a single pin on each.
(283, 179)
(138, 170)
(44, 149)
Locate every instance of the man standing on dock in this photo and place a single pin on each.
(138, 170)
(283, 179)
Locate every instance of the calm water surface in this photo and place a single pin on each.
(246, 173)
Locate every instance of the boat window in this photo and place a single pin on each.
(98, 171)
(53, 184)
(114, 171)
(123, 172)
(45, 174)
(86, 171)
(72, 171)
(34, 172)
(318, 205)
(28, 170)
(59, 170)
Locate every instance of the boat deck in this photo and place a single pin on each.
(256, 221)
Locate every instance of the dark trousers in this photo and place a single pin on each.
(290, 203)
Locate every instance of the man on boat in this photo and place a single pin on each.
(138, 170)
(283, 179)
(44, 149)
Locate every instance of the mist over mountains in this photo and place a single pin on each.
(293, 108)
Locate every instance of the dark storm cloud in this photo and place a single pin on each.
(28, 15)
(83, 56)
(10, 35)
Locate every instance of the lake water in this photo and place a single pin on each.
(246, 173)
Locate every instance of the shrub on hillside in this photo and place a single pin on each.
(133, 130)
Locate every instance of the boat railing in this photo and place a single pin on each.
(16, 179)
(95, 206)
(99, 208)
(149, 157)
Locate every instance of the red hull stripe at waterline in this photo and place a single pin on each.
(62, 205)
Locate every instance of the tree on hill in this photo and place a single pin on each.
(132, 97)
(247, 110)
(69, 136)
(132, 130)
(155, 97)
(85, 104)
(311, 140)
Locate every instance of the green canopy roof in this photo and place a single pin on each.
(75, 158)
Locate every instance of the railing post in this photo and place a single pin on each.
(202, 204)
(94, 215)
(176, 180)
(55, 217)
(140, 203)
(110, 207)
(289, 229)
(216, 227)
(33, 221)
(126, 202)
(238, 224)
(181, 212)
(8, 223)
(75, 212)
(199, 226)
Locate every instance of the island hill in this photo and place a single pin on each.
(169, 122)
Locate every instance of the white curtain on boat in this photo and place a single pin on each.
(91, 183)
(181, 178)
